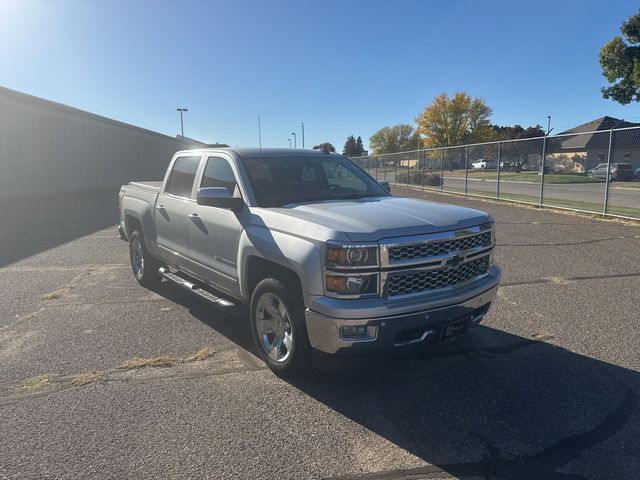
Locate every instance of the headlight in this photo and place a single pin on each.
(351, 255)
(352, 285)
(351, 270)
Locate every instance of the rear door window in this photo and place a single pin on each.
(182, 176)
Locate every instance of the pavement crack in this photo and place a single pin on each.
(541, 465)
(166, 367)
(574, 243)
(564, 280)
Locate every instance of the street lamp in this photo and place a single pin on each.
(289, 142)
(302, 134)
(295, 141)
(181, 110)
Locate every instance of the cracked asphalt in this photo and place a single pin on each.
(547, 388)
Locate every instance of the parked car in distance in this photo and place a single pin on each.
(507, 165)
(621, 172)
(320, 256)
(637, 174)
(482, 164)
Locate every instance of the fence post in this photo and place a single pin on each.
(384, 171)
(422, 167)
(441, 169)
(544, 153)
(606, 185)
(466, 168)
(498, 167)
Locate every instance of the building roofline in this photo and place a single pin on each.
(77, 111)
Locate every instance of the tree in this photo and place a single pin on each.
(349, 149)
(516, 132)
(620, 62)
(399, 138)
(359, 147)
(325, 146)
(454, 121)
(519, 153)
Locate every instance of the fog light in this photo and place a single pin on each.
(358, 332)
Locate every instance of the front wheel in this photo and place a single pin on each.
(278, 327)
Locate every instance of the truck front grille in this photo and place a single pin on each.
(426, 250)
(414, 281)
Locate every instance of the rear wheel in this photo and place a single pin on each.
(145, 267)
(278, 327)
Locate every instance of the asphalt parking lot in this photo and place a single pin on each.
(100, 378)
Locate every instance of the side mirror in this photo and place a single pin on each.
(219, 197)
(384, 184)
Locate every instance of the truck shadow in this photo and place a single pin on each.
(31, 226)
(490, 405)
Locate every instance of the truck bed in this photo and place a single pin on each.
(153, 186)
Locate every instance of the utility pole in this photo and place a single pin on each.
(295, 141)
(302, 134)
(181, 110)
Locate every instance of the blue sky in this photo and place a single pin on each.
(342, 67)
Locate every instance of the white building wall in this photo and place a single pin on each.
(48, 148)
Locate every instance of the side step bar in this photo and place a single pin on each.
(194, 288)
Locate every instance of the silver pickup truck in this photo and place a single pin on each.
(327, 261)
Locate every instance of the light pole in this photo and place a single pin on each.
(548, 124)
(289, 142)
(182, 109)
(302, 134)
(295, 140)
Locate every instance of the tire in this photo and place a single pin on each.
(278, 327)
(144, 265)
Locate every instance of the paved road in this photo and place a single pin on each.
(548, 388)
(620, 194)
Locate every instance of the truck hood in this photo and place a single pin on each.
(373, 219)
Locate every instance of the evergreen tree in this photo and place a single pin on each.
(359, 147)
(349, 149)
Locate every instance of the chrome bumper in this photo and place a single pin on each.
(394, 332)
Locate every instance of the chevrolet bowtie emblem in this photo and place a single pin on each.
(453, 261)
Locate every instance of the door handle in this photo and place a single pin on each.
(160, 207)
(194, 215)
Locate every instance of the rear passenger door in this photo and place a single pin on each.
(171, 210)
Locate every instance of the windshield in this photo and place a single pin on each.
(280, 181)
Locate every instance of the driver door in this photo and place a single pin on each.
(214, 233)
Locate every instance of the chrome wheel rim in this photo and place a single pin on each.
(273, 324)
(137, 258)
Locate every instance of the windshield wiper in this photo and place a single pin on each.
(354, 196)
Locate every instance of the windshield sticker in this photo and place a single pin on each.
(309, 174)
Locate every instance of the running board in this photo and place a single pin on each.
(196, 289)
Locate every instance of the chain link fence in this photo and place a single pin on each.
(595, 172)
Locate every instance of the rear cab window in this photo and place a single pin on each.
(182, 176)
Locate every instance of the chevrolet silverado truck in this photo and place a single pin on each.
(324, 258)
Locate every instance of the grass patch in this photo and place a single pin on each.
(579, 205)
(167, 361)
(61, 292)
(86, 378)
(528, 177)
(200, 355)
(136, 363)
(33, 384)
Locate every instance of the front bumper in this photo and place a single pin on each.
(401, 332)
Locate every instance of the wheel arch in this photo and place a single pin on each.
(258, 268)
